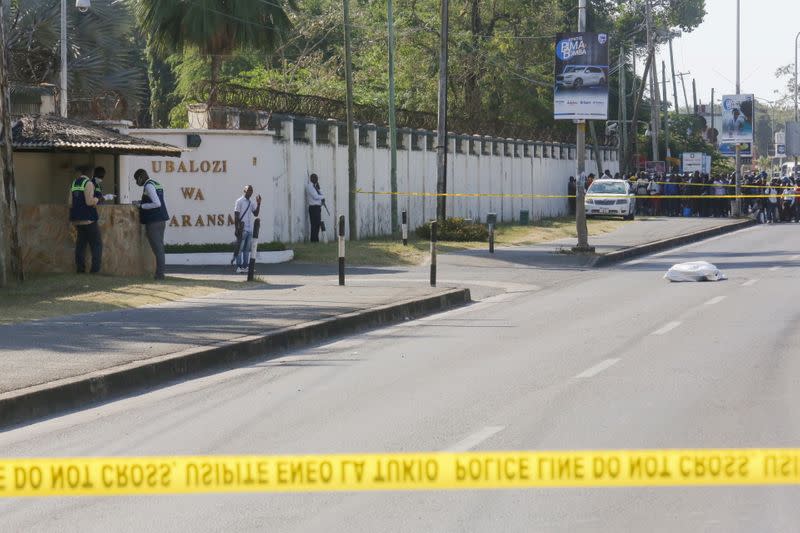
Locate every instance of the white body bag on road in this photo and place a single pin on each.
(694, 271)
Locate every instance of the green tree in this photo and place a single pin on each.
(214, 28)
(105, 61)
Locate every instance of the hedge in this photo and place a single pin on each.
(274, 246)
(455, 230)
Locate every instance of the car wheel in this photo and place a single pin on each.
(629, 217)
(578, 82)
(602, 81)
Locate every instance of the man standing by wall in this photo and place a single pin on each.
(245, 212)
(315, 202)
(153, 214)
(83, 215)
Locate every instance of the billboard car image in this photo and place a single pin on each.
(581, 76)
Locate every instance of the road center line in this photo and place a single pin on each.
(476, 438)
(715, 300)
(794, 258)
(596, 369)
(773, 269)
(669, 326)
(750, 282)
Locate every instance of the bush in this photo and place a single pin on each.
(455, 230)
(274, 246)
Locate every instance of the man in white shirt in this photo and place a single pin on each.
(315, 202)
(245, 212)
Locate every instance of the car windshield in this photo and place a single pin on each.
(600, 187)
(571, 68)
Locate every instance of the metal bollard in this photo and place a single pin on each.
(251, 267)
(491, 220)
(405, 228)
(341, 249)
(434, 227)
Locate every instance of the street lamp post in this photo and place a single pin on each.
(83, 6)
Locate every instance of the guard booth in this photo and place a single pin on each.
(49, 153)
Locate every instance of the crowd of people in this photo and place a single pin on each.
(770, 200)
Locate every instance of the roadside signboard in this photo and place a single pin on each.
(729, 149)
(737, 119)
(581, 76)
(793, 139)
(656, 167)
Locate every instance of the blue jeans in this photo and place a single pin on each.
(244, 249)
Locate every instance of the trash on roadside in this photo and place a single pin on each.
(694, 271)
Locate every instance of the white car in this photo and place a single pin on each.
(581, 76)
(610, 197)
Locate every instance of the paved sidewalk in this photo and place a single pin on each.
(42, 351)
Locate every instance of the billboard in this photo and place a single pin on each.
(793, 139)
(737, 119)
(581, 76)
(729, 149)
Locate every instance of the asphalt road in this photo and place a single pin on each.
(614, 358)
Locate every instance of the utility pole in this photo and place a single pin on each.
(636, 102)
(580, 142)
(712, 110)
(392, 119)
(683, 85)
(351, 137)
(63, 95)
(441, 130)
(10, 255)
(654, 109)
(623, 109)
(694, 95)
(666, 111)
(737, 206)
(674, 83)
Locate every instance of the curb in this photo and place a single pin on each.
(30, 404)
(672, 242)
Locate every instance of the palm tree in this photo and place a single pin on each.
(215, 28)
(106, 70)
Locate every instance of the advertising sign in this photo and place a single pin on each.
(581, 76)
(780, 150)
(737, 119)
(656, 167)
(793, 139)
(729, 149)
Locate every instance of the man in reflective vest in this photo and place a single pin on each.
(83, 215)
(153, 214)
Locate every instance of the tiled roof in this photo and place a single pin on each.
(47, 133)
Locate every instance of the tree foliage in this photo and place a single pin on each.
(104, 58)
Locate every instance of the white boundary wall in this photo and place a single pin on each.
(203, 185)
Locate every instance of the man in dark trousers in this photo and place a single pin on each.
(572, 190)
(83, 215)
(153, 214)
(315, 202)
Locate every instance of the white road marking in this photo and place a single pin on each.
(476, 438)
(666, 328)
(773, 269)
(750, 282)
(715, 300)
(794, 258)
(596, 369)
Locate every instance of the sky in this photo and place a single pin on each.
(768, 30)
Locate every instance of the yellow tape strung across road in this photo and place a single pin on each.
(398, 471)
(540, 196)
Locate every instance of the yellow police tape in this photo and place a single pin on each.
(550, 196)
(397, 471)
